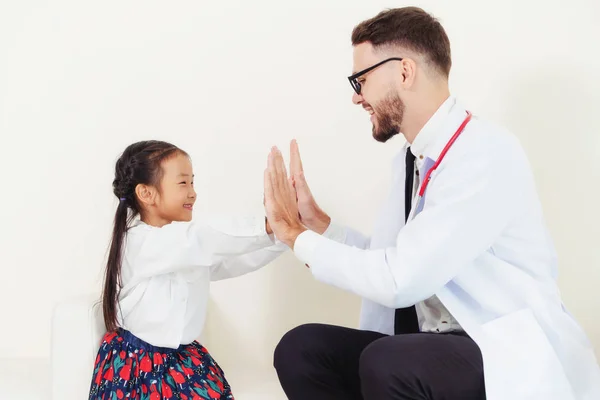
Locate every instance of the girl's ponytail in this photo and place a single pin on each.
(112, 278)
(140, 164)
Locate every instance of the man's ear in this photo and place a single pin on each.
(146, 194)
(409, 72)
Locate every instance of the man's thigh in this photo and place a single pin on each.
(422, 366)
(317, 361)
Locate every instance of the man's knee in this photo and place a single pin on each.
(382, 371)
(291, 350)
(422, 366)
(372, 365)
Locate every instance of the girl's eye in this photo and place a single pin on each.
(182, 183)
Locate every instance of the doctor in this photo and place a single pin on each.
(459, 276)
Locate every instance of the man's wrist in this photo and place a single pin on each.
(320, 223)
(292, 235)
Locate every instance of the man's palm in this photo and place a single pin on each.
(311, 214)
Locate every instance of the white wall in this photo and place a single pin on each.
(225, 81)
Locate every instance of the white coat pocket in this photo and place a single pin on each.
(519, 362)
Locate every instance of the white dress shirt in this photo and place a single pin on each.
(166, 272)
(477, 241)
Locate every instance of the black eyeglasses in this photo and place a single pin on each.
(354, 78)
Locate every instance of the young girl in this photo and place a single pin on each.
(156, 286)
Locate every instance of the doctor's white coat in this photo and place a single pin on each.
(478, 241)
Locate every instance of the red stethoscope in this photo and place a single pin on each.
(443, 153)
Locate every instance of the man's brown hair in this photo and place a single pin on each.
(411, 28)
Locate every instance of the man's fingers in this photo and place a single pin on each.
(268, 190)
(272, 162)
(293, 194)
(299, 179)
(291, 183)
(295, 160)
(301, 184)
(284, 174)
(293, 189)
(280, 186)
(297, 171)
(281, 173)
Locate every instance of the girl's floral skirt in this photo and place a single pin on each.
(129, 368)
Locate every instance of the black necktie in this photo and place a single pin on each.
(408, 182)
(405, 320)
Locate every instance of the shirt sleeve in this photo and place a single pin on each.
(205, 241)
(228, 236)
(231, 267)
(346, 235)
(468, 205)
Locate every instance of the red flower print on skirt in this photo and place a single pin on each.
(128, 368)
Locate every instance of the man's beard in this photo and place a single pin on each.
(389, 114)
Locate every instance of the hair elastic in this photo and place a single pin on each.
(122, 199)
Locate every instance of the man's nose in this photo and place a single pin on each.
(357, 98)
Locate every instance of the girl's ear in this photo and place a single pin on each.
(146, 194)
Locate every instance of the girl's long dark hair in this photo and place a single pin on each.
(140, 163)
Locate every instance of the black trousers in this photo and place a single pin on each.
(325, 362)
